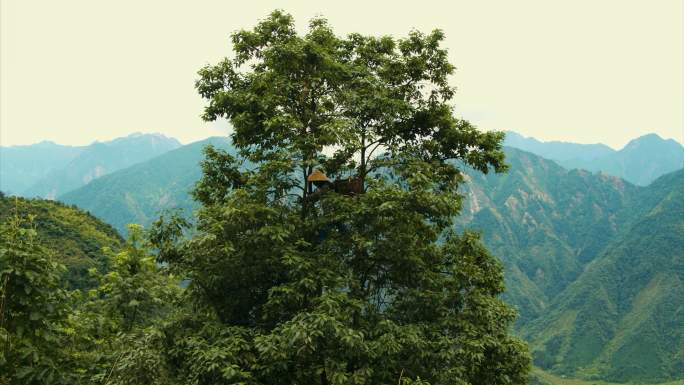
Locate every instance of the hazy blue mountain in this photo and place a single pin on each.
(98, 159)
(556, 150)
(139, 193)
(641, 161)
(23, 166)
(623, 318)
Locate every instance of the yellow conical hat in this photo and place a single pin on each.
(317, 176)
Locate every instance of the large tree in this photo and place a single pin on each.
(358, 280)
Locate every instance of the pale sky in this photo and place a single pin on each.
(75, 71)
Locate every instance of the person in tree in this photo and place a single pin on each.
(391, 293)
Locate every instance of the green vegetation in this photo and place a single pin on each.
(540, 377)
(622, 319)
(546, 223)
(114, 330)
(52, 336)
(75, 237)
(32, 303)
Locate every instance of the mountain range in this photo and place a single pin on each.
(640, 162)
(623, 317)
(48, 170)
(23, 166)
(593, 262)
(138, 194)
(545, 222)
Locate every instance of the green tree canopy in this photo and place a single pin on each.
(33, 307)
(358, 281)
(116, 326)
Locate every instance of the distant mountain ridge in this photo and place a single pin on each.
(47, 170)
(641, 161)
(23, 166)
(556, 150)
(138, 194)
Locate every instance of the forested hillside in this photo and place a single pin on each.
(547, 224)
(623, 318)
(544, 222)
(75, 237)
(592, 262)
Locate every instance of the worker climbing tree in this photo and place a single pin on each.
(323, 252)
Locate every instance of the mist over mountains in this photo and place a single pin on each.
(640, 162)
(22, 166)
(591, 238)
(48, 169)
(138, 194)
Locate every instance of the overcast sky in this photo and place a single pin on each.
(583, 71)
